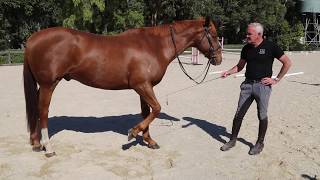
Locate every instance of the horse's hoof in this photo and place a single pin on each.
(153, 146)
(131, 135)
(48, 155)
(37, 148)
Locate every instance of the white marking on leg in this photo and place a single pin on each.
(45, 141)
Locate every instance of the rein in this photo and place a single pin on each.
(206, 69)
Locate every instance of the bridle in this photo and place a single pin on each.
(206, 34)
(211, 48)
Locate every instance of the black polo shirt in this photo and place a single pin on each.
(260, 59)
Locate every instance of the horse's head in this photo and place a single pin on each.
(208, 44)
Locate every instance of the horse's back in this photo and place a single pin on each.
(48, 36)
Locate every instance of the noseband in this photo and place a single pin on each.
(211, 54)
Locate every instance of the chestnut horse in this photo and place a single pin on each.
(135, 59)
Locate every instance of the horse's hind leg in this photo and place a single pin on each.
(45, 94)
(147, 99)
(35, 133)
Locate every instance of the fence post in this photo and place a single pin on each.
(9, 57)
(194, 55)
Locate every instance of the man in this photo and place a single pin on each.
(258, 54)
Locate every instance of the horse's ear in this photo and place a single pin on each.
(207, 21)
(216, 23)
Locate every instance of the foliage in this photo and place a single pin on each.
(291, 38)
(84, 14)
(20, 18)
(297, 35)
(131, 16)
(284, 39)
(14, 57)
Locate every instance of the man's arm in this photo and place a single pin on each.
(286, 63)
(235, 69)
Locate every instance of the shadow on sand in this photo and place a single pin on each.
(119, 124)
(304, 83)
(305, 176)
(215, 131)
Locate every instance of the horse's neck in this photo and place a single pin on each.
(179, 41)
(173, 40)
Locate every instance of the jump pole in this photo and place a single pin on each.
(290, 74)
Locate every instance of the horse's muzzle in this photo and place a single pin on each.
(213, 60)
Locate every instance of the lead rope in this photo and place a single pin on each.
(181, 65)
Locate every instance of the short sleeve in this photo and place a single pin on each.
(244, 53)
(277, 51)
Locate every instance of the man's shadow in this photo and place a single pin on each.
(305, 176)
(215, 131)
(119, 124)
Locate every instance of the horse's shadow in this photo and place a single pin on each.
(215, 131)
(119, 124)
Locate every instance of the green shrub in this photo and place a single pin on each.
(312, 47)
(233, 46)
(16, 57)
(2, 60)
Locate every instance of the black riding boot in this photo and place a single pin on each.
(258, 147)
(235, 131)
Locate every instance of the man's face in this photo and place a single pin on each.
(252, 35)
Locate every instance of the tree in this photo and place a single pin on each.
(238, 14)
(129, 16)
(20, 18)
(290, 38)
(84, 14)
(166, 11)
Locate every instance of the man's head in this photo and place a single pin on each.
(254, 33)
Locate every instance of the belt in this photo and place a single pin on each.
(252, 80)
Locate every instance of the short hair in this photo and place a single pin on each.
(258, 27)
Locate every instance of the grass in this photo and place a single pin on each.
(233, 46)
(16, 57)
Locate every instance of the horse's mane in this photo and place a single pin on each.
(164, 28)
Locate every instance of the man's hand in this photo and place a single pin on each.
(225, 74)
(269, 81)
(235, 69)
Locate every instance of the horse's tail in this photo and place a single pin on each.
(30, 94)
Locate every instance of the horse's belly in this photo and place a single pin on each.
(101, 82)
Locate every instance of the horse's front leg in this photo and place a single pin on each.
(146, 137)
(145, 111)
(45, 94)
(147, 99)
